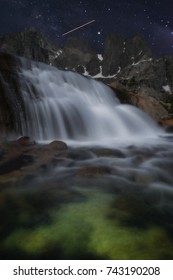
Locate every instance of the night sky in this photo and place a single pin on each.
(153, 19)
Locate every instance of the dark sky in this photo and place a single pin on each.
(154, 19)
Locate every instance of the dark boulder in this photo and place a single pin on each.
(57, 145)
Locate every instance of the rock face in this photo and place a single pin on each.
(153, 77)
(11, 104)
(148, 104)
(151, 81)
(120, 52)
(30, 44)
(78, 56)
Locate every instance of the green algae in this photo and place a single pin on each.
(84, 228)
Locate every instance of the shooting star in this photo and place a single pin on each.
(79, 27)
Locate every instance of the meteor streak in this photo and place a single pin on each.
(79, 27)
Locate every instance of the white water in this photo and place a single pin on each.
(137, 179)
(67, 106)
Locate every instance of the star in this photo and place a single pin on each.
(146, 17)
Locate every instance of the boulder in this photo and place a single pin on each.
(57, 145)
(148, 104)
(169, 129)
(93, 171)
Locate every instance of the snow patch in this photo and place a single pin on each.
(167, 89)
(58, 53)
(100, 74)
(100, 57)
(141, 61)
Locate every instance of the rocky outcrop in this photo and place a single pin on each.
(151, 77)
(151, 82)
(148, 104)
(78, 56)
(120, 52)
(11, 103)
(30, 44)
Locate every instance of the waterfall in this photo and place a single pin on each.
(111, 188)
(67, 106)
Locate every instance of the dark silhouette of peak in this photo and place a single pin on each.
(30, 44)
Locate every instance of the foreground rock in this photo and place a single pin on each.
(57, 145)
(23, 158)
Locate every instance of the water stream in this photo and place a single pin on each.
(108, 196)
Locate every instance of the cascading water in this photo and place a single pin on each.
(67, 106)
(110, 200)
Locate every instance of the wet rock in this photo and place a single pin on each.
(146, 103)
(57, 145)
(144, 177)
(167, 123)
(80, 154)
(15, 164)
(110, 153)
(151, 106)
(169, 129)
(22, 141)
(93, 171)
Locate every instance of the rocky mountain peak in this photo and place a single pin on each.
(30, 44)
(78, 56)
(120, 52)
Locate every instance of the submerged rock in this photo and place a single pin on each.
(169, 129)
(93, 171)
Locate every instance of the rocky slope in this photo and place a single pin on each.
(30, 44)
(151, 83)
(11, 103)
